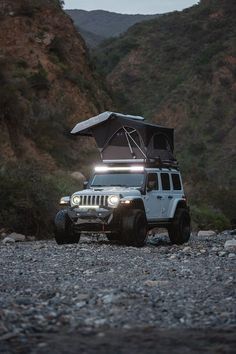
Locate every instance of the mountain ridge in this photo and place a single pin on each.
(104, 24)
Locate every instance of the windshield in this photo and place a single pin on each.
(118, 180)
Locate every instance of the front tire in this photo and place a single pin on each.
(134, 228)
(180, 229)
(64, 233)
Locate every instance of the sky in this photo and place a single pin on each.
(131, 6)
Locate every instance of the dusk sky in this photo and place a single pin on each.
(131, 6)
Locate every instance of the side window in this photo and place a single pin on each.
(176, 182)
(152, 181)
(165, 181)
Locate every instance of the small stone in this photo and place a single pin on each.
(206, 233)
(100, 322)
(222, 254)
(38, 246)
(8, 240)
(101, 334)
(42, 345)
(232, 255)
(151, 283)
(215, 249)
(31, 238)
(108, 299)
(82, 297)
(187, 249)
(80, 304)
(173, 256)
(230, 245)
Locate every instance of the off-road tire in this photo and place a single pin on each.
(134, 228)
(63, 229)
(180, 229)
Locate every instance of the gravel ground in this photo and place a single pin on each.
(105, 298)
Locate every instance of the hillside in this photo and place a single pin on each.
(96, 26)
(180, 70)
(47, 85)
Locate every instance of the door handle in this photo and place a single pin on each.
(170, 197)
(159, 197)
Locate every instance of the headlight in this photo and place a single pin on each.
(76, 200)
(113, 200)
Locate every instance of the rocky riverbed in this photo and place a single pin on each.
(105, 298)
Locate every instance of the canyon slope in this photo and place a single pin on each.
(47, 84)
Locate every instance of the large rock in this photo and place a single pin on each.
(206, 233)
(17, 237)
(8, 240)
(78, 175)
(230, 246)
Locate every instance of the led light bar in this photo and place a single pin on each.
(130, 168)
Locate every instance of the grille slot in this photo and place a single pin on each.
(100, 200)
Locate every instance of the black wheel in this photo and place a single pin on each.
(64, 233)
(179, 231)
(134, 228)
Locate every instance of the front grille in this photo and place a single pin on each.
(100, 200)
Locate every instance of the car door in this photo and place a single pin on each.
(152, 197)
(166, 194)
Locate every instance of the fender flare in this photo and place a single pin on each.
(178, 203)
(136, 203)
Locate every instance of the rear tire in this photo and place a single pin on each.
(180, 229)
(64, 233)
(134, 228)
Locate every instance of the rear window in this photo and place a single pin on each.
(165, 181)
(176, 182)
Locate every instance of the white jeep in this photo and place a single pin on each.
(137, 188)
(124, 203)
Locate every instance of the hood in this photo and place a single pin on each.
(121, 191)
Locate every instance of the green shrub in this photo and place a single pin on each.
(39, 80)
(57, 48)
(29, 197)
(30, 7)
(204, 218)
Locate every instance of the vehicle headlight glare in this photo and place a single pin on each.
(76, 200)
(113, 200)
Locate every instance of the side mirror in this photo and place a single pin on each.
(65, 201)
(85, 184)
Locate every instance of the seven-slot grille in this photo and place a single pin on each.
(100, 200)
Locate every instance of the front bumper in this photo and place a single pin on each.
(92, 220)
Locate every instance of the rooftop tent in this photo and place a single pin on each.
(125, 138)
